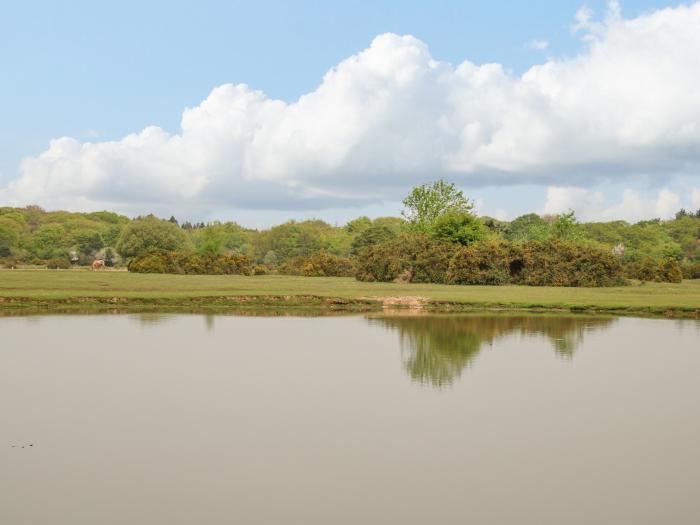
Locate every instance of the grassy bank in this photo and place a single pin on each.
(62, 288)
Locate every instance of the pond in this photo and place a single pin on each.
(386, 418)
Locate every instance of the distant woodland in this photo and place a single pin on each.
(436, 239)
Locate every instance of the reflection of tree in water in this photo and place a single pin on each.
(147, 319)
(436, 349)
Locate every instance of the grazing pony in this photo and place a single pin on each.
(98, 264)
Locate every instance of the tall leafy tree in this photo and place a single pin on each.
(150, 233)
(426, 203)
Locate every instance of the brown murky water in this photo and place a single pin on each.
(480, 419)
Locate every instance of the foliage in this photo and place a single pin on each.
(358, 225)
(298, 239)
(58, 263)
(372, 235)
(220, 238)
(439, 210)
(110, 257)
(415, 258)
(148, 234)
(564, 263)
(530, 227)
(161, 261)
(9, 237)
(691, 270)
(670, 271)
(458, 227)
(651, 270)
(426, 203)
(319, 264)
(486, 262)
(49, 241)
(411, 257)
(566, 227)
(88, 241)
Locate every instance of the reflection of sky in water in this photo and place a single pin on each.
(435, 348)
(232, 419)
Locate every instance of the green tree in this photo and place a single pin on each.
(9, 237)
(49, 241)
(567, 227)
(458, 227)
(530, 227)
(270, 258)
(372, 235)
(426, 203)
(358, 225)
(88, 241)
(210, 241)
(217, 238)
(294, 239)
(150, 233)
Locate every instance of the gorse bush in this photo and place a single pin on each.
(414, 258)
(58, 263)
(486, 262)
(161, 261)
(458, 227)
(563, 263)
(668, 270)
(411, 257)
(319, 264)
(691, 270)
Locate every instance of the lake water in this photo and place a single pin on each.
(406, 419)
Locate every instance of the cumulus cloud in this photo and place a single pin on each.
(590, 204)
(695, 199)
(539, 45)
(392, 115)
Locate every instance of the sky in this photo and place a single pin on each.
(265, 111)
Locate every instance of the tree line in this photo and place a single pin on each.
(437, 238)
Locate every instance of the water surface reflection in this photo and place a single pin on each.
(174, 419)
(437, 348)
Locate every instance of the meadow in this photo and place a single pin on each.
(47, 288)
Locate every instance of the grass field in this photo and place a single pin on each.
(60, 287)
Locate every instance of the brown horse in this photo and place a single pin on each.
(98, 264)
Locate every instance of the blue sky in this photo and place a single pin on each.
(96, 71)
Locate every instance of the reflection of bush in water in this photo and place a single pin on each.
(437, 348)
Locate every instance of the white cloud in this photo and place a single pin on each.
(695, 199)
(590, 204)
(392, 115)
(539, 45)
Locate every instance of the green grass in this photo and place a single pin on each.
(46, 287)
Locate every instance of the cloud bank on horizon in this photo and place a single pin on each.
(628, 106)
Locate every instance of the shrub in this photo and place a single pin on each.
(670, 271)
(260, 269)
(319, 264)
(8, 262)
(648, 269)
(691, 270)
(485, 262)
(189, 263)
(57, 263)
(154, 262)
(563, 263)
(644, 270)
(411, 257)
